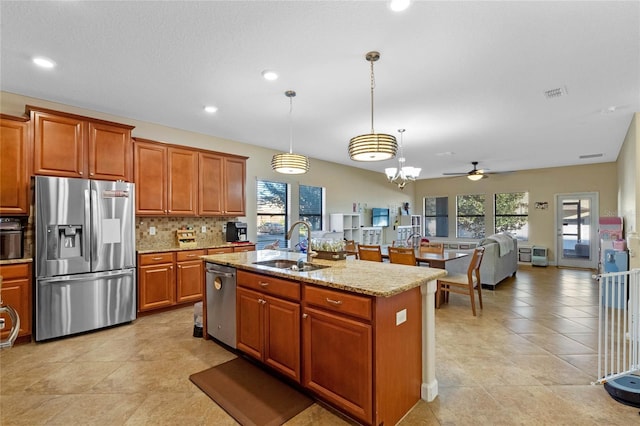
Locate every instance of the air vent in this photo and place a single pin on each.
(556, 93)
(584, 157)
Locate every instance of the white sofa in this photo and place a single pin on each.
(494, 267)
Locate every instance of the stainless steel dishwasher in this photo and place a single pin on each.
(221, 303)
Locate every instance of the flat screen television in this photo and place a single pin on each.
(379, 217)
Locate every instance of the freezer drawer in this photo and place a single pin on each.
(77, 303)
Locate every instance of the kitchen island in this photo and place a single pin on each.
(359, 335)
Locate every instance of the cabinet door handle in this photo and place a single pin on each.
(156, 258)
(191, 255)
(304, 316)
(263, 284)
(334, 302)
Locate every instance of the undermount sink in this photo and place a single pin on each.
(288, 264)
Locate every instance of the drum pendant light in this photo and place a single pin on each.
(372, 146)
(290, 163)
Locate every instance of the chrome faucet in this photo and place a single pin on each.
(310, 253)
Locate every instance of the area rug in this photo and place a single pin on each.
(250, 395)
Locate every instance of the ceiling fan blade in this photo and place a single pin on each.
(455, 174)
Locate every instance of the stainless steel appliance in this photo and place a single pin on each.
(11, 238)
(85, 255)
(221, 303)
(236, 231)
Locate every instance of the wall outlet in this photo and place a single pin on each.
(224, 228)
(203, 229)
(401, 316)
(152, 230)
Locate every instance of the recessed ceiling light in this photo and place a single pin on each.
(399, 5)
(609, 110)
(210, 109)
(445, 154)
(43, 62)
(269, 75)
(556, 93)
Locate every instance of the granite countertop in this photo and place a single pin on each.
(164, 248)
(16, 261)
(358, 276)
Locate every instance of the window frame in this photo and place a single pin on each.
(436, 217)
(497, 215)
(260, 224)
(315, 225)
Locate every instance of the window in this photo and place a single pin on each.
(311, 205)
(512, 214)
(272, 213)
(470, 216)
(436, 216)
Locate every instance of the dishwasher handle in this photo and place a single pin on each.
(220, 273)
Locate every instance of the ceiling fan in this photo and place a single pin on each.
(475, 174)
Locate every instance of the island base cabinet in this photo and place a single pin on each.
(338, 361)
(268, 329)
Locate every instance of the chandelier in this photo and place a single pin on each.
(372, 146)
(402, 174)
(290, 163)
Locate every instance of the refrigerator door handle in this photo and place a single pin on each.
(84, 277)
(86, 237)
(96, 235)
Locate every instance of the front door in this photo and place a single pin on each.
(576, 224)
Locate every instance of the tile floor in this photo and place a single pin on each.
(527, 359)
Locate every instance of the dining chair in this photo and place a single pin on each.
(437, 248)
(369, 252)
(402, 255)
(350, 248)
(463, 283)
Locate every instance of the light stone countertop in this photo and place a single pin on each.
(358, 276)
(160, 248)
(16, 261)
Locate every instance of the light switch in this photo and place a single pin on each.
(203, 229)
(401, 316)
(152, 230)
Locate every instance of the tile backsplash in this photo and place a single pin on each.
(166, 227)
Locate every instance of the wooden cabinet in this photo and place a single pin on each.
(168, 279)
(69, 145)
(166, 180)
(219, 250)
(182, 184)
(156, 281)
(338, 350)
(180, 181)
(189, 276)
(362, 354)
(16, 292)
(15, 159)
(244, 247)
(268, 321)
(222, 185)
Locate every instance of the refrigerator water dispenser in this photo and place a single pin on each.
(64, 242)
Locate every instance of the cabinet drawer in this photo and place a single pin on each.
(240, 249)
(156, 258)
(181, 256)
(338, 301)
(220, 250)
(269, 285)
(20, 270)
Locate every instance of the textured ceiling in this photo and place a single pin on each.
(461, 77)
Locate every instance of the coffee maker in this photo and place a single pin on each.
(236, 231)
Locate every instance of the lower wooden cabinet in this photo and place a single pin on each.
(189, 276)
(338, 349)
(16, 292)
(156, 281)
(167, 279)
(268, 325)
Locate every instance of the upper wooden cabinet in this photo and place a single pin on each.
(166, 179)
(178, 181)
(15, 158)
(221, 185)
(70, 145)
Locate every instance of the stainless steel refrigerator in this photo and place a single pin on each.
(85, 255)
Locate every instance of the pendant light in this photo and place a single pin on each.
(290, 163)
(372, 146)
(402, 174)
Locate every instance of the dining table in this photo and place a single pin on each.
(434, 260)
